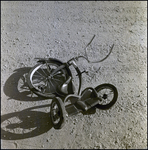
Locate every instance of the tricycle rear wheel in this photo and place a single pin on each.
(107, 94)
(57, 113)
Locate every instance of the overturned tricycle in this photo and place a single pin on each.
(52, 78)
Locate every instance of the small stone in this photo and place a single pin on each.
(17, 39)
(47, 140)
(131, 31)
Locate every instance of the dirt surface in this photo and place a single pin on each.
(61, 30)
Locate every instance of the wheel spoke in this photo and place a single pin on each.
(44, 72)
(60, 75)
(107, 101)
(51, 83)
(111, 92)
(40, 74)
(57, 80)
(108, 91)
(48, 89)
(105, 90)
(45, 87)
(35, 81)
(35, 75)
(57, 73)
(48, 67)
(100, 94)
(56, 116)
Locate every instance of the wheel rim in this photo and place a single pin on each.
(106, 95)
(42, 81)
(55, 113)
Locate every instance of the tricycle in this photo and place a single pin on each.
(52, 78)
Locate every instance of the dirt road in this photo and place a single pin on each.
(62, 29)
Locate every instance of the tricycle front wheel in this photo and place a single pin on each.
(107, 94)
(41, 82)
(57, 113)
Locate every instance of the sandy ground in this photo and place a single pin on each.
(61, 30)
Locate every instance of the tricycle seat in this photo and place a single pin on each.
(87, 100)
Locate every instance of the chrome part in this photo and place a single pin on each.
(64, 87)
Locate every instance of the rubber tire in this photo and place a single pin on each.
(107, 106)
(61, 107)
(55, 61)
